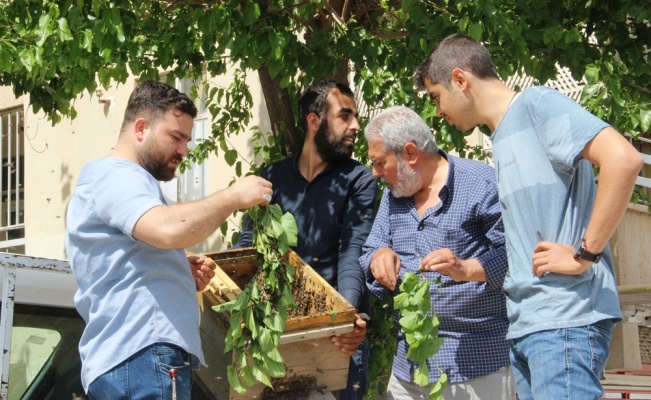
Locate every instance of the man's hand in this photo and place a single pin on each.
(557, 258)
(445, 262)
(203, 270)
(251, 191)
(385, 266)
(349, 342)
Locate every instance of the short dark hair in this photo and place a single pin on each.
(315, 99)
(153, 99)
(455, 51)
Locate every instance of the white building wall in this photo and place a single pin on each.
(54, 156)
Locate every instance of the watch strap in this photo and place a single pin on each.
(583, 253)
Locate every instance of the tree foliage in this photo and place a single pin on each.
(56, 50)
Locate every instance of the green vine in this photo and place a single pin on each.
(259, 313)
(421, 331)
(381, 334)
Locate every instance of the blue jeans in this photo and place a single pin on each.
(562, 363)
(146, 375)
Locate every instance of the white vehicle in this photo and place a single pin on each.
(40, 331)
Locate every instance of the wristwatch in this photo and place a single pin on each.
(581, 251)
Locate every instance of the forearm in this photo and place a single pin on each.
(613, 196)
(185, 224)
(495, 265)
(350, 277)
(619, 163)
(474, 270)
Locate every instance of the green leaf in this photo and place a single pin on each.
(266, 340)
(247, 375)
(421, 375)
(410, 321)
(251, 13)
(274, 323)
(401, 300)
(475, 31)
(645, 120)
(230, 156)
(275, 355)
(274, 368)
(436, 393)
(234, 380)
(291, 230)
(64, 31)
(261, 377)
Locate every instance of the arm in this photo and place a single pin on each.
(619, 163)
(185, 224)
(489, 266)
(357, 223)
(378, 242)
(246, 235)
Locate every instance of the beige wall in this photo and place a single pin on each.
(54, 156)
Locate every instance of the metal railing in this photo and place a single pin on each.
(12, 218)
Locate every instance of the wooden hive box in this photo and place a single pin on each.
(305, 344)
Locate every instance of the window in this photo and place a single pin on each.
(44, 360)
(12, 181)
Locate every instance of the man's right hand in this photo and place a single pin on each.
(251, 191)
(385, 266)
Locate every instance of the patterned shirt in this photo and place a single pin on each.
(472, 315)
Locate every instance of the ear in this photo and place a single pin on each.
(410, 152)
(140, 127)
(313, 122)
(459, 78)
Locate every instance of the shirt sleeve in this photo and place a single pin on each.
(357, 223)
(565, 127)
(123, 195)
(494, 260)
(379, 237)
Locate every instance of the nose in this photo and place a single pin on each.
(182, 150)
(375, 172)
(439, 112)
(354, 126)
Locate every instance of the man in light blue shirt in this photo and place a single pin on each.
(137, 288)
(561, 292)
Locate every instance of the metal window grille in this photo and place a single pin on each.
(12, 180)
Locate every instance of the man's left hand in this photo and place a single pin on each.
(558, 258)
(445, 262)
(203, 270)
(349, 342)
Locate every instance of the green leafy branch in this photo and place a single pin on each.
(381, 334)
(420, 330)
(259, 313)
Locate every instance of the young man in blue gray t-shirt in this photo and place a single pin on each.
(561, 292)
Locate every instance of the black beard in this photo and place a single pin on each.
(156, 166)
(328, 147)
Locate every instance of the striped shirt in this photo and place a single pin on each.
(472, 315)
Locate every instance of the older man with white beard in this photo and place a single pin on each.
(440, 214)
